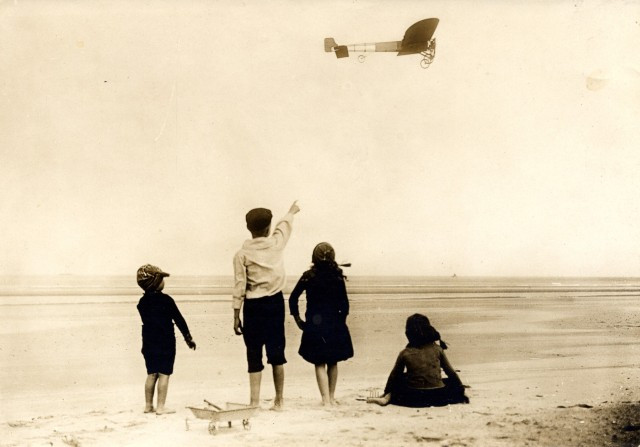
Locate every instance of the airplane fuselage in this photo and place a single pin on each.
(384, 47)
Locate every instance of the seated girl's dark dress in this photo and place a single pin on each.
(325, 338)
(158, 312)
(422, 384)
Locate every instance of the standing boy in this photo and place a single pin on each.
(259, 280)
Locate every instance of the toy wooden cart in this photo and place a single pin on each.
(216, 415)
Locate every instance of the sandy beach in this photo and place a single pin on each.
(545, 369)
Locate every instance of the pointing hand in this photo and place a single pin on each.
(294, 208)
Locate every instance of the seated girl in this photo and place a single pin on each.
(422, 384)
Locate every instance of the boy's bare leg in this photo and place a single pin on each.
(332, 374)
(278, 381)
(163, 388)
(254, 385)
(323, 383)
(149, 391)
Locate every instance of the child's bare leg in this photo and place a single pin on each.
(323, 383)
(332, 373)
(278, 381)
(149, 391)
(254, 386)
(163, 388)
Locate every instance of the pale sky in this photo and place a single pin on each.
(135, 132)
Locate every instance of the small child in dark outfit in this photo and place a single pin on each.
(158, 312)
(325, 337)
(422, 385)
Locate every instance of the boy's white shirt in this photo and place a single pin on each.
(259, 265)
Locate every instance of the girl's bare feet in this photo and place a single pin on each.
(149, 410)
(162, 411)
(277, 405)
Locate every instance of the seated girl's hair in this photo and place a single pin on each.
(419, 332)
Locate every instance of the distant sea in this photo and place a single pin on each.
(18, 289)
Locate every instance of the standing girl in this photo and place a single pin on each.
(325, 336)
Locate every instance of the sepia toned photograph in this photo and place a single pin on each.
(303, 223)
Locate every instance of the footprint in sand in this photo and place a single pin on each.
(71, 440)
(15, 424)
(426, 438)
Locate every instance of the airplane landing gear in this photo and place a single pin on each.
(428, 54)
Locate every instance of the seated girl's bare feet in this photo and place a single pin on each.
(162, 411)
(382, 401)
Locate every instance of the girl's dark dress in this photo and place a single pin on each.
(325, 338)
(158, 312)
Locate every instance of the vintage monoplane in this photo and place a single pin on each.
(418, 39)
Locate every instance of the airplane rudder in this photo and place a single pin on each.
(329, 44)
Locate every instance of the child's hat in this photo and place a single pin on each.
(258, 219)
(149, 275)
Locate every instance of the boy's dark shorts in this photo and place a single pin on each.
(263, 325)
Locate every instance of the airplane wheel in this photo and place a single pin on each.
(246, 424)
(213, 428)
(424, 63)
(361, 58)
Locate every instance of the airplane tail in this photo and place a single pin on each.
(329, 44)
(342, 51)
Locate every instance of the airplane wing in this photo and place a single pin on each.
(417, 36)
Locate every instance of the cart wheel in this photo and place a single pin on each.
(246, 424)
(213, 428)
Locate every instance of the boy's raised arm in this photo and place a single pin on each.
(283, 228)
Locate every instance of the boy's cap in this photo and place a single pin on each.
(149, 275)
(258, 219)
